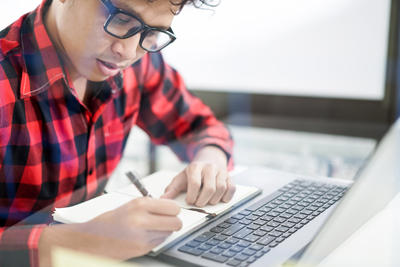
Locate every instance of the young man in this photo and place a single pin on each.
(75, 76)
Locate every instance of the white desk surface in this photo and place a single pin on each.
(377, 243)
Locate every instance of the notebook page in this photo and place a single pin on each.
(157, 182)
(89, 210)
(190, 219)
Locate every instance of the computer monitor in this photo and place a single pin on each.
(326, 66)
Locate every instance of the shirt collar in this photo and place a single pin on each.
(42, 66)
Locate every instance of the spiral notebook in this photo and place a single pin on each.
(192, 217)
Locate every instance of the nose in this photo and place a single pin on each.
(126, 49)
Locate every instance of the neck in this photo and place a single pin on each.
(50, 23)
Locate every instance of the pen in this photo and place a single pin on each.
(134, 178)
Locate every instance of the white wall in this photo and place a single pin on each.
(329, 48)
(11, 10)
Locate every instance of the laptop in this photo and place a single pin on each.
(298, 220)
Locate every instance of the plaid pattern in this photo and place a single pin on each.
(54, 151)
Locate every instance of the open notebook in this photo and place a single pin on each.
(155, 184)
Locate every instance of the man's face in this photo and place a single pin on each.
(89, 50)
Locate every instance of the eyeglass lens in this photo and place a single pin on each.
(123, 25)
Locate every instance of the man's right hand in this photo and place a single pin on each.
(130, 231)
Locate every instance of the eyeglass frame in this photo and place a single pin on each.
(145, 29)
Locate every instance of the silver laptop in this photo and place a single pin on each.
(297, 220)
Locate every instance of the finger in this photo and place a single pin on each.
(221, 187)
(162, 223)
(209, 187)
(178, 184)
(193, 174)
(165, 207)
(230, 191)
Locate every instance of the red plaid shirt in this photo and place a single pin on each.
(55, 151)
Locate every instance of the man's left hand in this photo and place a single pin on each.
(206, 179)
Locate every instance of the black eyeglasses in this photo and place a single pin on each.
(122, 25)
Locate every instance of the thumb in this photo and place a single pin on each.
(178, 185)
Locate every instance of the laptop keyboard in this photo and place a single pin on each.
(256, 230)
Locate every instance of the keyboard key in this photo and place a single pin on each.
(286, 215)
(251, 260)
(252, 217)
(243, 243)
(280, 239)
(273, 224)
(294, 220)
(300, 216)
(259, 254)
(253, 226)
(298, 226)
(260, 222)
(233, 229)
(265, 240)
(236, 249)
(204, 247)
(224, 245)
(234, 262)
(258, 213)
(232, 240)
(245, 212)
(212, 242)
(294, 210)
(264, 200)
(243, 233)
(279, 220)
(267, 228)
(286, 235)
(266, 218)
(279, 210)
(189, 250)
(217, 250)
(282, 229)
(275, 233)
(231, 221)
(214, 257)
(288, 224)
(312, 208)
(251, 238)
(224, 225)
(293, 230)
(237, 217)
(193, 244)
(229, 254)
(245, 222)
(241, 257)
(256, 247)
(204, 237)
(285, 206)
(265, 250)
(265, 209)
(220, 238)
(306, 212)
(216, 230)
(249, 252)
(305, 221)
(260, 233)
(271, 206)
(273, 244)
(277, 202)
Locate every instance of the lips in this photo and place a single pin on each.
(108, 69)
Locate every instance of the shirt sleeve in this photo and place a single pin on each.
(173, 116)
(19, 246)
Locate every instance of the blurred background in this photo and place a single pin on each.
(305, 86)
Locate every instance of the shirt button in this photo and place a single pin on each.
(90, 171)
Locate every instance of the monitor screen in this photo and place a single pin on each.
(313, 48)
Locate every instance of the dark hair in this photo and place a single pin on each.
(196, 3)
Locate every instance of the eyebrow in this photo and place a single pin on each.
(127, 8)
